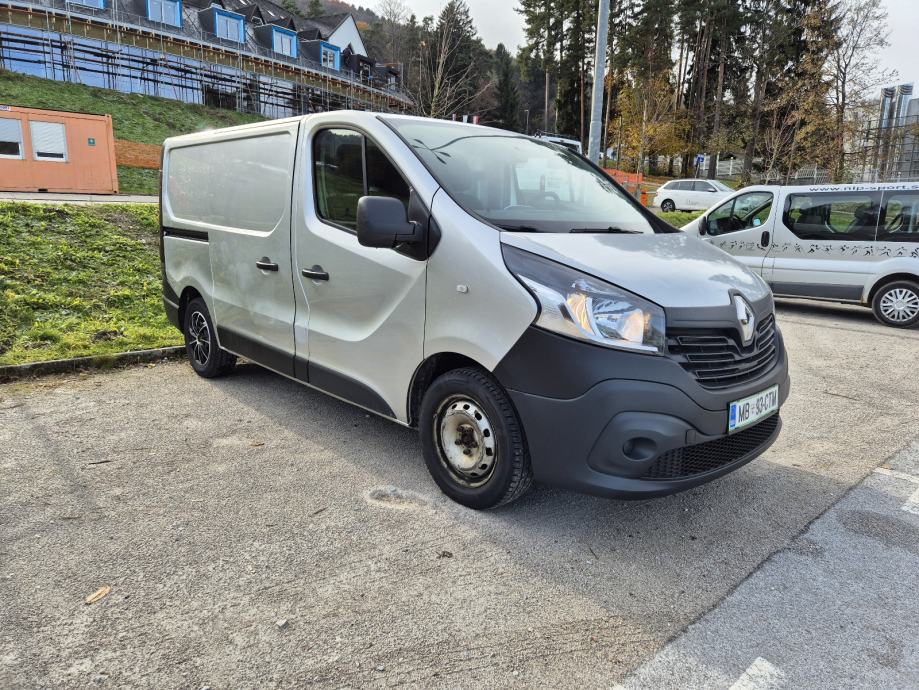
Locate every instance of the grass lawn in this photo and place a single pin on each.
(145, 119)
(80, 280)
(678, 218)
(138, 181)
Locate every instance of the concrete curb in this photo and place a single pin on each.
(15, 372)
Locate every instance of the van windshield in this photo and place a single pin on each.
(519, 183)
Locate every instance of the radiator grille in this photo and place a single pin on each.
(717, 358)
(711, 455)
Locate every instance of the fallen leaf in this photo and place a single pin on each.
(99, 594)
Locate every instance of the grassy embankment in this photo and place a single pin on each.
(678, 218)
(79, 280)
(143, 119)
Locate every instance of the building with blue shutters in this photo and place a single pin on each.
(249, 55)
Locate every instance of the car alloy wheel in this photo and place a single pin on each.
(199, 339)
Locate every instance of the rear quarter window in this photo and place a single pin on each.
(236, 183)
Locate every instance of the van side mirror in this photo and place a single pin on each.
(382, 221)
(703, 225)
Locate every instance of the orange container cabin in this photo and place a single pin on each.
(52, 151)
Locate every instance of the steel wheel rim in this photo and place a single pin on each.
(465, 441)
(900, 305)
(199, 339)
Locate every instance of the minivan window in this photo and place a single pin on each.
(900, 219)
(382, 177)
(740, 213)
(851, 216)
(518, 183)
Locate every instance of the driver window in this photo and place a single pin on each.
(900, 219)
(740, 213)
(538, 183)
(826, 216)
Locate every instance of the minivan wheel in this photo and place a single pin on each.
(897, 304)
(667, 206)
(472, 440)
(207, 359)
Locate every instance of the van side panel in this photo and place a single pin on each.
(475, 307)
(235, 186)
(188, 265)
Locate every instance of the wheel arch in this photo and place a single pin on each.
(430, 369)
(886, 280)
(188, 294)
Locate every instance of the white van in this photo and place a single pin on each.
(498, 293)
(844, 243)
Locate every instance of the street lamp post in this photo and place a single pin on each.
(527, 111)
(596, 115)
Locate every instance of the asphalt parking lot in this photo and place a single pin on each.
(256, 533)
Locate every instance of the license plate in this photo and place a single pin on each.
(743, 413)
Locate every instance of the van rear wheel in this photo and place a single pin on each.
(206, 357)
(897, 304)
(472, 440)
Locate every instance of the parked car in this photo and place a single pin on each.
(690, 195)
(854, 243)
(498, 293)
(568, 142)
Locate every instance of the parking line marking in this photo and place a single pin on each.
(760, 675)
(898, 475)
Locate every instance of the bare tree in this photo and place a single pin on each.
(854, 68)
(443, 87)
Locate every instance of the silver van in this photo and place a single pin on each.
(498, 293)
(856, 243)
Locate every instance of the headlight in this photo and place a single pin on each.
(581, 306)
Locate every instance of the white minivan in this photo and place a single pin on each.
(496, 292)
(855, 243)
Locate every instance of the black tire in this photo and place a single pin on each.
(667, 206)
(206, 358)
(900, 293)
(509, 473)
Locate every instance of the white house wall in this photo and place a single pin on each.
(348, 33)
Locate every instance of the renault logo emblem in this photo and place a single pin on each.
(746, 318)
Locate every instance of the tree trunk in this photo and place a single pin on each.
(716, 125)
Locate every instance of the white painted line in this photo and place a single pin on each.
(912, 503)
(760, 675)
(897, 475)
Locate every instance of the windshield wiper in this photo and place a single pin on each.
(610, 230)
(519, 228)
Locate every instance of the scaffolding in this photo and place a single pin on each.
(126, 52)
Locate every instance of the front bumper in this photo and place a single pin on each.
(624, 425)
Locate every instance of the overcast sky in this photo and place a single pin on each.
(497, 22)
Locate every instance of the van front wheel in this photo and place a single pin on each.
(206, 357)
(897, 304)
(472, 440)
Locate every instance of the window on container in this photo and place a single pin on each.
(284, 44)
(230, 27)
(49, 141)
(10, 138)
(165, 11)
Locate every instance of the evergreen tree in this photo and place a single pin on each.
(315, 9)
(506, 112)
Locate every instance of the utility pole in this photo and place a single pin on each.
(596, 96)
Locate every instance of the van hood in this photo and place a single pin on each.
(672, 270)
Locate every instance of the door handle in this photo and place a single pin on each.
(265, 264)
(764, 239)
(315, 273)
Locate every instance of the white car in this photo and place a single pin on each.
(690, 195)
(855, 243)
